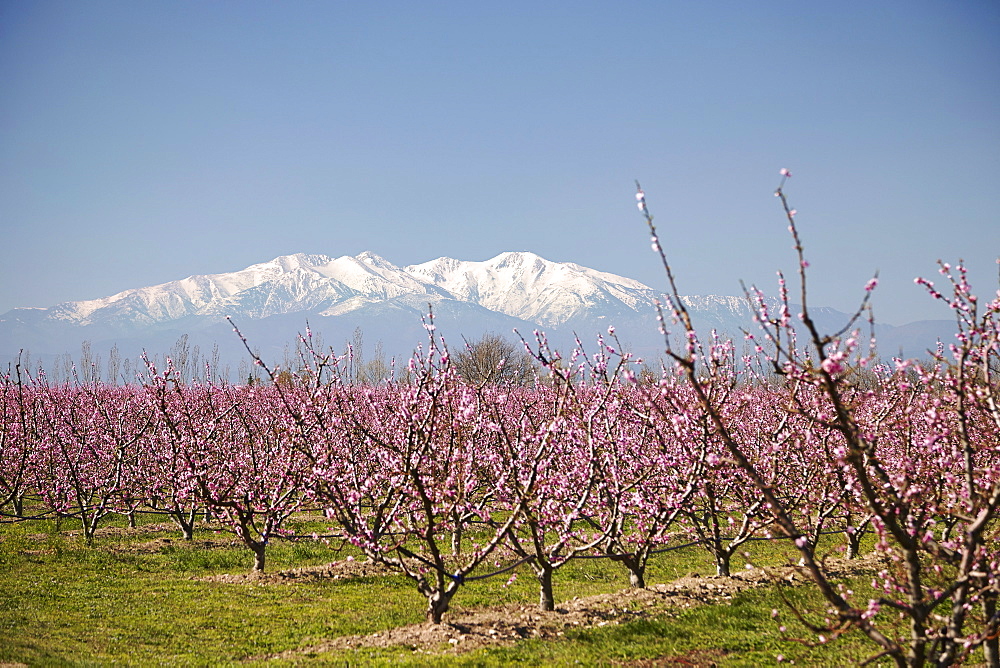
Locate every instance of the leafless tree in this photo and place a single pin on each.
(114, 363)
(493, 360)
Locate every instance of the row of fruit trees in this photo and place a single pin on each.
(448, 482)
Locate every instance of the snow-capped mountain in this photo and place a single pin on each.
(526, 286)
(368, 295)
(520, 285)
(287, 284)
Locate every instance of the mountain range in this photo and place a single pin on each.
(367, 300)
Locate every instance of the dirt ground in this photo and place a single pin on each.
(336, 570)
(468, 630)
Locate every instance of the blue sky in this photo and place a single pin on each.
(142, 142)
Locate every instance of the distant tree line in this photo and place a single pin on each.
(489, 360)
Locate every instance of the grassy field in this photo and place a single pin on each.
(144, 596)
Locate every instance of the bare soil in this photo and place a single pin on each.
(465, 630)
(335, 570)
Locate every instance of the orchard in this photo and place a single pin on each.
(803, 435)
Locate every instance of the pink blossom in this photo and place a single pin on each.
(832, 366)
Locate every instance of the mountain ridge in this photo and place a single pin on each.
(514, 283)
(515, 289)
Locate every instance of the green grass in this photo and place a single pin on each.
(740, 634)
(65, 603)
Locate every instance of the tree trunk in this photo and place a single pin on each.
(437, 605)
(258, 548)
(916, 656)
(89, 526)
(991, 648)
(722, 563)
(184, 523)
(18, 501)
(853, 544)
(546, 599)
(636, 572)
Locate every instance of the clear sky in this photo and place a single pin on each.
(142, 142)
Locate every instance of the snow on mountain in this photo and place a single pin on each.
(287, 284)
(526, 286)
(198, 295)
(520, 285)
(512, 290)
(373, 277)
